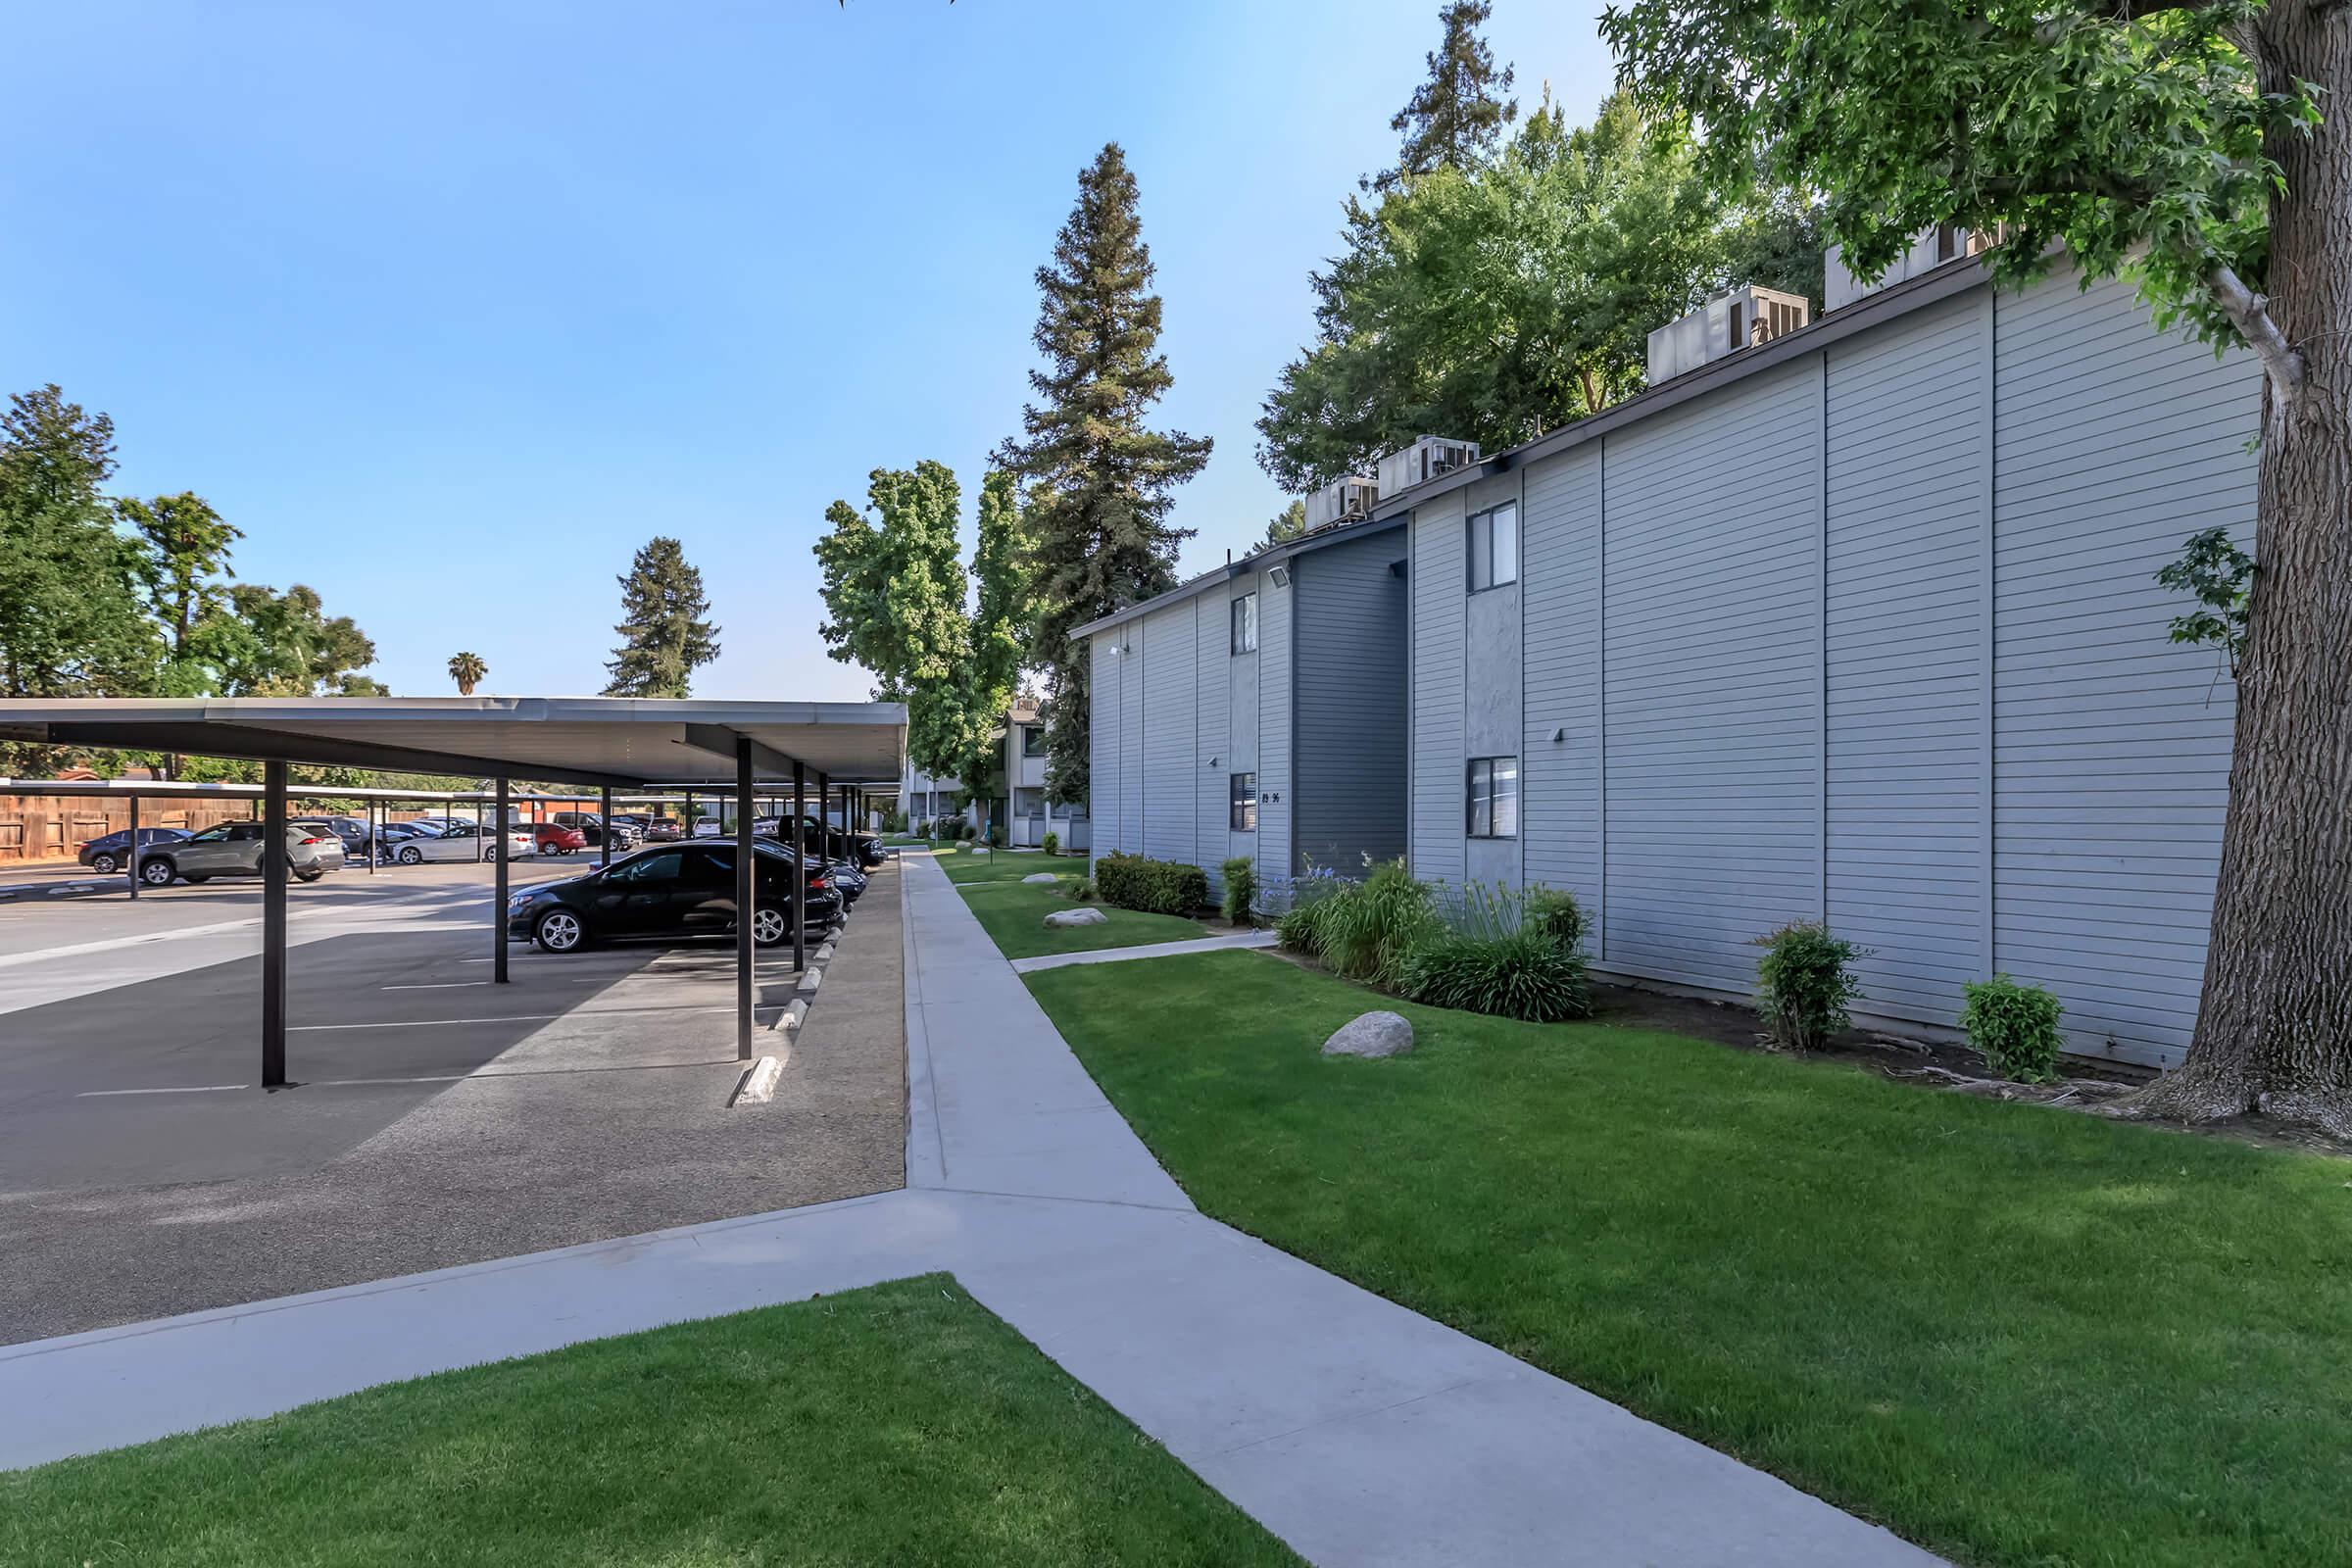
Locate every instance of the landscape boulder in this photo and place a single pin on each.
(1046, 878)
(1062, 919)
(1371, 1034)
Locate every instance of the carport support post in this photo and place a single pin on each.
(747, 888)
(498, 900)
(603, 829)
(273, 926)
(799, 875)
(132, 859)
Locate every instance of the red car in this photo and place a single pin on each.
(554, 838)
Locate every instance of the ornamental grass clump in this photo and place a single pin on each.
(1804, 981)
(1367, 930)
(2015, 1026)
(1523, 974)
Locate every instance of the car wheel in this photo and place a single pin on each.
(560, 931)
(104, 865)
(193, 878)
(308, 873)
(769, 927)
(410, 855)
(157, 873)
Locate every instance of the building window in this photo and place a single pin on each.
(1494, 547)
(1245, 625)
(1244, 803)
(1493, 798)
(1033, 740)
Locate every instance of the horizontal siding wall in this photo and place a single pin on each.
(2113, 444)
(1104, 722)
(1170, 712)
(1713, 576)
(1274, 770)
(1439, 694)
(1212, 643)
(1909, 775)
(1559, 585)
(1130, 639)
(1348, 652)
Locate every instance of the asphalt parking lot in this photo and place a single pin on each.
(434, 1117)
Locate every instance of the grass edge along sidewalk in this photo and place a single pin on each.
(1013, 913)
(898, 1423)
(2014, 1335)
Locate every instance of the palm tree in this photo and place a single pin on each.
(465, 669)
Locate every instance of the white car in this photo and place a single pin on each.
(461, 839)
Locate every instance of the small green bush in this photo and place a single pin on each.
(995, 838)
(1156, 886)
(1051, 843)
(1527, 974)
(1366, 929)
(2015, 1026)
(1241, 888)
(1082, 891)
(1299, 927)
(1556, 913)
(1804, 984)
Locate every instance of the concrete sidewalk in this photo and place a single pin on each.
(1356, 1431)
(1149, 949)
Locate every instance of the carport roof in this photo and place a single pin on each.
(623, 741)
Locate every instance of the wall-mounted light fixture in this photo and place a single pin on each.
(1282, 576)
(1212, 761)
(1559, 734)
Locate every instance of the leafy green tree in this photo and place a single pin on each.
(262, 643)
(1001, 631)
(1455, 119)
(2179, 145)
(892, 585)
(1099, 481)
(1496, 304)
(666, 634)
(1286, 525)
(187, 552)
(70, 620)
(468, 670)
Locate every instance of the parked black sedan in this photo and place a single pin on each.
(841, 844)
(672, 891)
(105, 853)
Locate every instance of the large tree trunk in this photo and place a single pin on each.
(2274, 1026)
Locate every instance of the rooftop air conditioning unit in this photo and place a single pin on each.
(1734, 319)
(1931, 249)
(1341, 501)
(1431, 457)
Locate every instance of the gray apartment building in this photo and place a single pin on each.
(1855, 620)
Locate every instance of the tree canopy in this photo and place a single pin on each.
(1456, 116)
(1099, 481)
(1499, 302)
(665, 634)
(894, 592)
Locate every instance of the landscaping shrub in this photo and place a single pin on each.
(1364, 930)
(1804, 984)
(1156, 886)
(1556, 914)
(1052, 843)
(1527, 974)
(2015, 1026)
(1241, 888)
(1082, 891)
(1301, 926)
(995, 838)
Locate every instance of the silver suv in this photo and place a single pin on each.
(235, 849)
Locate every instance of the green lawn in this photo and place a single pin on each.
(1015, 916)
(2013, 1334)
(901, 1423)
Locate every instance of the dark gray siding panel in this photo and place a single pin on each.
(2114, 443)
(1170, 709)
(1714, 765)
(1212, 755)
(1348, 652)
(1439, 696)
(1130, 738)
(1274, 772)
(1559, 585)
(1103, 745)
(1907, 694)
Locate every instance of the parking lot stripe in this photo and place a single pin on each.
(512, 1017)
(438, 985)
(184, 1088)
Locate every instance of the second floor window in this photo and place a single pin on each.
(1494, 547)
(1033, 740)
(1245, 625)
(1493, 798)
(1244, 803)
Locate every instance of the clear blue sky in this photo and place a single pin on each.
(450, 306)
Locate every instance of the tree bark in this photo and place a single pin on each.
(2275, 1023)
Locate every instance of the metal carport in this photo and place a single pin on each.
(601, 741)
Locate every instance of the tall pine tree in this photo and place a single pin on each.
(665, 635)
(1454, 120)
(1099, 482)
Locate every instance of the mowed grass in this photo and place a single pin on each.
(2013, 1334)
(901, 1423)
(1014, 914)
